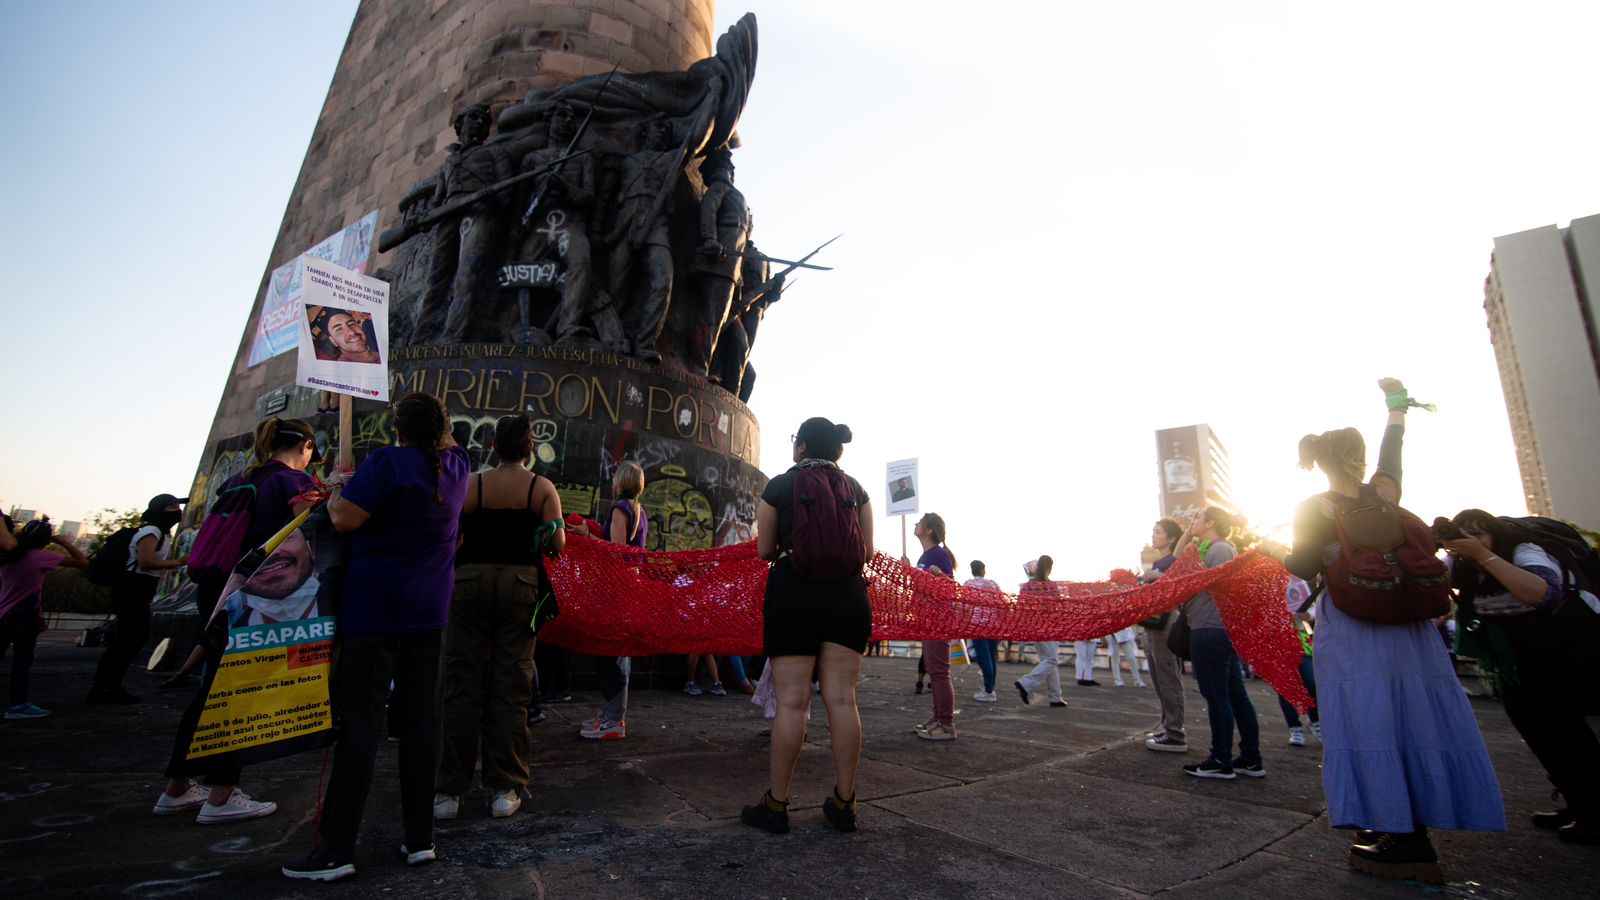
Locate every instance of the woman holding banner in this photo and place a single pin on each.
(284, 448)
(497, 577)
(402, 509)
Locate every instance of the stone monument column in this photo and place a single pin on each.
(382, 142)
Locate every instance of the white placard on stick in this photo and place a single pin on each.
(902, 489)
(344, 332)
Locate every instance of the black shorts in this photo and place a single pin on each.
(801, 615)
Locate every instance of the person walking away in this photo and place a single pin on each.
(1127, 643)
(498, 579)
(1216, 665)
(1166, 670)
(1537, 637)
(1047, 673)
(402, 508)
(22, 571)
(1401, 749)
(936, 559)
(815, 615)
(1083, 661)
(132, 592)
(1299, 599)
(630, 526)
(283, 450)
(985, 651)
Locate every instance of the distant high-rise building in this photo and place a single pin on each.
(1542, 322)
(1192, 468)
(70, 530)
(23, 516)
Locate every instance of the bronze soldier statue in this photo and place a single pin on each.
(559, 228)
(724, 227)
(757, 290)
(466, 247)
(638, 238)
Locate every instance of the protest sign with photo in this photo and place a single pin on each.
(276, 625)
(344, 332)
(278, 327)
(902, 488)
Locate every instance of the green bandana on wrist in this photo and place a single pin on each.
(1401, 399)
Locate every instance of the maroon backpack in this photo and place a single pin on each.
(1387, 571)
(825, 542)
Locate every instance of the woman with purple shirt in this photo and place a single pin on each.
(402, 508)
(937, 559)
(628, 525)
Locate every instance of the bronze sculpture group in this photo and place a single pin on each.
(601, 216)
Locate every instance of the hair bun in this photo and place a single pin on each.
(842, 432)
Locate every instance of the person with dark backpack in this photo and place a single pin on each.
(250, 508)
(814, 523)
(1401, 749)
(141, 560)
(1528, 614)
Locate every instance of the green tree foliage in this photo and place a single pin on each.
(107, 522)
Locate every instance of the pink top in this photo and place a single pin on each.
(23, 579)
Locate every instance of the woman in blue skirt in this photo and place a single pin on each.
(1402, 751)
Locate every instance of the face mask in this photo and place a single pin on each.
(165, 518)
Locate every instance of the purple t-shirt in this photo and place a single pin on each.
(937, 556)
(402, 561)
(23, 579)
(640, 533)
(276, 485)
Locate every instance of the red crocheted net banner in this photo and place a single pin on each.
(621, 601)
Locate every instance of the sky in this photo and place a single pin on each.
(1066, 225)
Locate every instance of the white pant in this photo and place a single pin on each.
(1129, 650)
(1045, 674)
(1085, 654)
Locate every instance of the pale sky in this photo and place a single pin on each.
(1066, 225)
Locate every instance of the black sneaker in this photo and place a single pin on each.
(315, 868)
(1210, 767)
(760, 815)
(841, 815)
(1166, 744)
(1551, 821)
(1254, 770)
(1058, 703)
(1399, 856)
(1580, 831)
(1026, 697)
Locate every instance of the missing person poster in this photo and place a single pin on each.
(278, 327)
(902, 488)
(344, 332)
(275, 623)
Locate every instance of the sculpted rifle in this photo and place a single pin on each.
(394, 237)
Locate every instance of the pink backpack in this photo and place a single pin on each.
(825, 542)
(220, 544)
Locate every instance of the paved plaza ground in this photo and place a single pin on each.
(1030, 802)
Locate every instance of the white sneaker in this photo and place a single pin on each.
(446, 806)
(506, 803)
(193, 798)
(1297, 736)
(419, 857)
(1316, 729)
(986, 697)
(238, 806)
(1139, 684)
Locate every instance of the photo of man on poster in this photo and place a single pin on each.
(284, 589)
(341, 335)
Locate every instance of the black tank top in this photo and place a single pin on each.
(500, 536)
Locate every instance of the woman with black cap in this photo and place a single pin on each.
(135, 587)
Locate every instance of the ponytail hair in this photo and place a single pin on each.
(823, 439)
(1341, 453)
(274, 435)
(630, 484)
(420, 421)
(935, 523)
